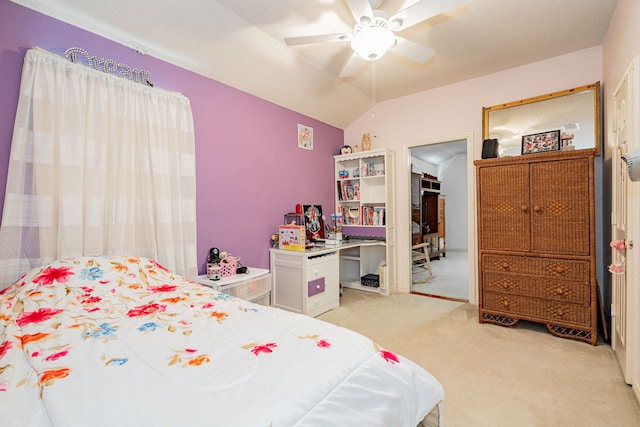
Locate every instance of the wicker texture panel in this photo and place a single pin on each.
(498, 319)
(560, 219)
(503, 199)
(551, 289)
(576, 334)
(536, 309)
(567, 269)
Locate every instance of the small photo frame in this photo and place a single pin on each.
(541, 142)
(314, 222)
(305, 137)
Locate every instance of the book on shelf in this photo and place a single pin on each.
(346, 191)
(373, 215)
(350, 216)
(380, 211)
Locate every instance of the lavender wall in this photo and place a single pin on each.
(249, 168)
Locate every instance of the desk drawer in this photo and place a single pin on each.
(323, 292)
(315, 287)
(320, 259)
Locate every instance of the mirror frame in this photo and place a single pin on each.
(595, 87)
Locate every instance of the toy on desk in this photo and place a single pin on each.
(333, 230)
(293, 219)
(292, 237)
(274, 240)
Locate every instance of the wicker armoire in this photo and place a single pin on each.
(536, 242)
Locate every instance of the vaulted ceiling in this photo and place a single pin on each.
(241, 43)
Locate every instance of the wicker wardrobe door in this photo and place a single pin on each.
(560, 214)
(503, 201)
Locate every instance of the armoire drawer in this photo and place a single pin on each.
(537, 309)
(538, 287)
(568, 269)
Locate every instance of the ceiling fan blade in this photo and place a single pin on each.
(351, 67)
(360, 8)
(321, 38)
(411, 50)
(422, 11)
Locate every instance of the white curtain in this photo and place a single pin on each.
(99, 165)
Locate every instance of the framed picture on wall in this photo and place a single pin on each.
(305, 137)
(541, 142)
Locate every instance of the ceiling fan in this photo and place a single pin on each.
(374, 32)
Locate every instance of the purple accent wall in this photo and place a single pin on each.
(359, 231)
(249, 169)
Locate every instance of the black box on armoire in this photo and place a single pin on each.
(489, 148)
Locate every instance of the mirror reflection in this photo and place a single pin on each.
(574, 112)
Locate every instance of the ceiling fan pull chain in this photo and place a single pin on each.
(373, 89)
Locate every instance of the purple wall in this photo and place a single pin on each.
(249, 169)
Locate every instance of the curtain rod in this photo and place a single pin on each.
(110, 66)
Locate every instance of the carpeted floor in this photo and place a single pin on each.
(450, 276)
(495, 376)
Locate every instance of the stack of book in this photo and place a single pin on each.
(348, 191)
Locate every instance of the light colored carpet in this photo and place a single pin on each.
(495, 376)
(450, 276)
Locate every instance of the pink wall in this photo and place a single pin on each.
(454, 112)
(249, 169)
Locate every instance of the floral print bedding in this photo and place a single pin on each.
(121, 341)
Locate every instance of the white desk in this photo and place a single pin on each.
(309, 282)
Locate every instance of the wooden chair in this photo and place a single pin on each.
(420, 259)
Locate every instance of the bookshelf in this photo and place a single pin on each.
(364, 201)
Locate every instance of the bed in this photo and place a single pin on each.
(122, 341)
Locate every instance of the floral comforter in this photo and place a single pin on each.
(121, 341)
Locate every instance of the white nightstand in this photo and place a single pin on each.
(254, 286)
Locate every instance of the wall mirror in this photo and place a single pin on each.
(574, 112)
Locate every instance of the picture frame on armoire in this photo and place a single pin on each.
(541, 142)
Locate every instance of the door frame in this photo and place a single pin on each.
(471, 207)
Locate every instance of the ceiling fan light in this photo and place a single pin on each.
(372, 43)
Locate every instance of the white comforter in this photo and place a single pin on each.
(123, 342)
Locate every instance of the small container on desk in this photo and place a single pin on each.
(253, 286)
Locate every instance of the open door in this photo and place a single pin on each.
(624, 222)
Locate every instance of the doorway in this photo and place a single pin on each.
(439, 220)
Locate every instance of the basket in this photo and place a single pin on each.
(228, 266)
(370, 280)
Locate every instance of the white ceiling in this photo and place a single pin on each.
(438, 154)
(240, 43)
